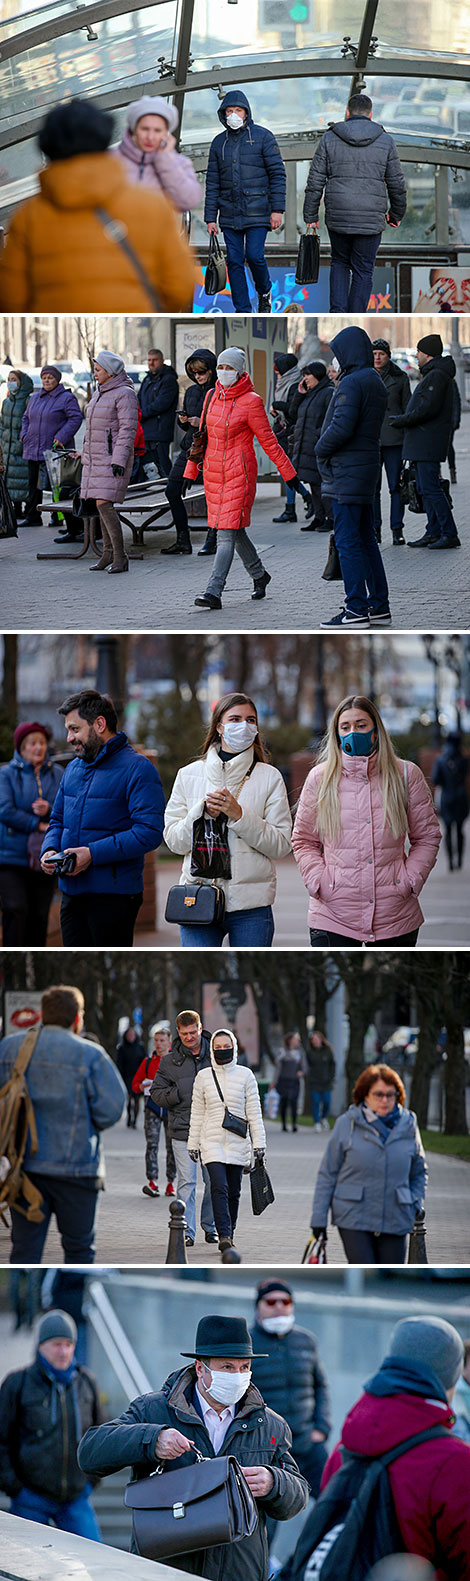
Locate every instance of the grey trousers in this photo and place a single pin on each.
(229, 540)
(186, 1190)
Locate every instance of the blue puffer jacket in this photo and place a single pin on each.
(18, 790)
(76, 1092)
(11, 418)
(370, 1184)
(348, 450)
(246, 178)
(114, 805)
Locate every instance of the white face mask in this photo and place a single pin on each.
(13, 385)
(278, 1325)
(226, 377)
(239, 734)
(228, 1387)
(235, 121)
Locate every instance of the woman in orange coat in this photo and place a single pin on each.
(235, 416)
(88, 242)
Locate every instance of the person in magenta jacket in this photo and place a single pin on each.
(366, 834)
(148, 153)
(234, 416)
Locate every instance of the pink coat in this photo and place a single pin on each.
(230, 470)
(111, 427)
(365, 886)
(165, 171)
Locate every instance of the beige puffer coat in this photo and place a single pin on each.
(241, 1096)
(260, 837)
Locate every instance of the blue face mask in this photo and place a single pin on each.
(358, 743)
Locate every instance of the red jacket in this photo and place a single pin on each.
(145, 1071)
(430, 1484)
(230, 469)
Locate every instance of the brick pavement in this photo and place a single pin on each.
(134, 1229)
(428, 591)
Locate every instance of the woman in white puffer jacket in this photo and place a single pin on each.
(233, 777)
(225, 1154)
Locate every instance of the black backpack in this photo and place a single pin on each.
(353, 1523)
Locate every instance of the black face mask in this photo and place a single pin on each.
(223, 1056)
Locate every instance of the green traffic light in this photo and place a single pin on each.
(299, 12)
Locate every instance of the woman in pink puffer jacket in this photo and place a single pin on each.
(148, 153)
(108, 455)
(366, 835)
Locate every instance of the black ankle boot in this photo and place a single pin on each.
(182, 546)
(261, 583)
(210, 545)
(288, 515)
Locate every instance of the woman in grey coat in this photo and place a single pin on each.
(373, 1174)
(108, 454)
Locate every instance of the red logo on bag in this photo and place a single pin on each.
(273, 1440)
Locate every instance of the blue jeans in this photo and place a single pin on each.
(255, 927)
(391, 459)
(352, 271)
(365, 582)
(247, 245)
(77, 1516)
(186, 1178)
(440, 522)
(320, 1105)
(290, 493)
(226, 1185)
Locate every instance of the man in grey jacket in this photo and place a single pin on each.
(356, 166)
(172, 1089)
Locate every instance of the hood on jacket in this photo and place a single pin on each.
(200, 355)
(352, 348)
(442, 364)
(233, 1040)
(26, 384)
(235, 96)
(84, 182)
(358, 130)
(284, 361)
(114, 383)
(21, 763)
(375, 1425)
(179, 1051)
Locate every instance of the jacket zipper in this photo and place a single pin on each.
(65, 1444)
(223, 467)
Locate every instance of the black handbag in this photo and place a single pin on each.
(216, 273)
(332, 571)
(196, 1507)
(210, 853)
(193, 904)
(8, 522)
(261, 1189)
(231, 1122)
(308, 259)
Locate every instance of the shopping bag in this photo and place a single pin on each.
(315, 1250)
(261, 1189)
(271, 1103)
(8, 522)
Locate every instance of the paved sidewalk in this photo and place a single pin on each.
(134, 1229)
(429, 591)
(445, 903)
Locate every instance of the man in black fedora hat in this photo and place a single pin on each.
(210, 1405)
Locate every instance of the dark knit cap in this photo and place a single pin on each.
(268, 1285)
(382, 345)
(49, 368)
(432, 345)
(78, 126)
(223, 1336)
(29, 729)
(318, 369)
(57, 1325)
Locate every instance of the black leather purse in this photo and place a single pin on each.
(231, 1122)
(215, 278)
(196, 1507)
(191, 904)
(261, 1189)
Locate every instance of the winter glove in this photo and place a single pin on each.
(194, 1155)
(118, 472)
(294, 483)
(186, 484)
(317, 1232)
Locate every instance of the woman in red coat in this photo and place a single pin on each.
(234, 417)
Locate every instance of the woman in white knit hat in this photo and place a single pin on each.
(222, 1091)
(148, 153)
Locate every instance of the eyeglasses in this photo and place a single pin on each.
(277, 1301)
(388, 1097)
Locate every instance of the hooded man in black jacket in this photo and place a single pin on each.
(246, 194)
(356, 165)
(158, 399)
(172, 1089)
(398, 389)
(44, 1410)
(308, 409)
(213, 1406)
(201, 368)
(427, 425)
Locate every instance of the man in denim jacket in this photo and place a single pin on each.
(76, 1093)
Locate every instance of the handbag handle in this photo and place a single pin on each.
(197, 1452)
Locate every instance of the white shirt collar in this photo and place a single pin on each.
(207, 1409)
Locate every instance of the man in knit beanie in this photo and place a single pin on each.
(291, 1376)
(411, 1395)
(44, 1409)
(427, 426)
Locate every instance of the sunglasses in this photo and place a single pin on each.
(277, 1301)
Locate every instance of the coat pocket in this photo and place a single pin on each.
(349, 1191)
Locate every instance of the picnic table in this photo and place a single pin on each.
(143, 500)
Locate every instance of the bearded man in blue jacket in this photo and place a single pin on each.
(107, 813)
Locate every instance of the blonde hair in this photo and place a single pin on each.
(327, 803)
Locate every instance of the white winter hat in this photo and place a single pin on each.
(149, 106)
(110, 361)
(234, 357)
(160, 1026)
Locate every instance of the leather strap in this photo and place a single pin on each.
(116, 230)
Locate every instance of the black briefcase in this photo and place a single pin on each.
(261, 1189)
(199, 1506)
(308, 259)
(191, 904)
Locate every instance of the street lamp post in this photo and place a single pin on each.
(453, 658)
(108, 671)
(434, 658)
(319, 721)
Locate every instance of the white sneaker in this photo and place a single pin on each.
(318, 1126)
(325, 1125)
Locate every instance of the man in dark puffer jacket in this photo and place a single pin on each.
(158, 399)
(427, 425)
(397, 385)
(246, 191)
(291, 1377)
(201, 368)
(356, 165)
(44, 1409)
(348, 455)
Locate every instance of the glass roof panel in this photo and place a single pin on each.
(416, 111)
(274, 28)
(126, 51)
(15, 18)
(440, 26)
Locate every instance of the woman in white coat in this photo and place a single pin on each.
(222, 1091)
(233, 777)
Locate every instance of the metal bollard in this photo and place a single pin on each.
(176, 1252)
(417, 1249)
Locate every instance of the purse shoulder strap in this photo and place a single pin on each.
(116, 231)
(221, 1096)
